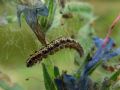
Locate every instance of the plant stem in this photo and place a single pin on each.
(110, 31)
(40, 35)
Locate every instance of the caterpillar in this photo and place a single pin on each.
(52, 48)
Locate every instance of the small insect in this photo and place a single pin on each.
(52, 48)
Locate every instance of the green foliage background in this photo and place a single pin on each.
(16, 44)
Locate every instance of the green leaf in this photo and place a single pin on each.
(46, 22)
(52, 9)
(56, 71)
(49, 84)
(86, 60)
(115, 75)
(88, 57)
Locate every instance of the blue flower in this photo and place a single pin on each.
(103, 53)
(109, 50)
(31, 13)
(59, 83)
(66, 82)
(69, 81)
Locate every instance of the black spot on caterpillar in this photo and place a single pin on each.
(52, 48)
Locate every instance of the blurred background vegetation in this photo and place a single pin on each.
(16, 44)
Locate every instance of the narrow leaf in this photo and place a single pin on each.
(49, 84)
(115, 75)
(56, 71)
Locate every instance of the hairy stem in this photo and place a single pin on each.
(40, 35)
(110, 30)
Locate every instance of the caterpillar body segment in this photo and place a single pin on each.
(52, 48)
